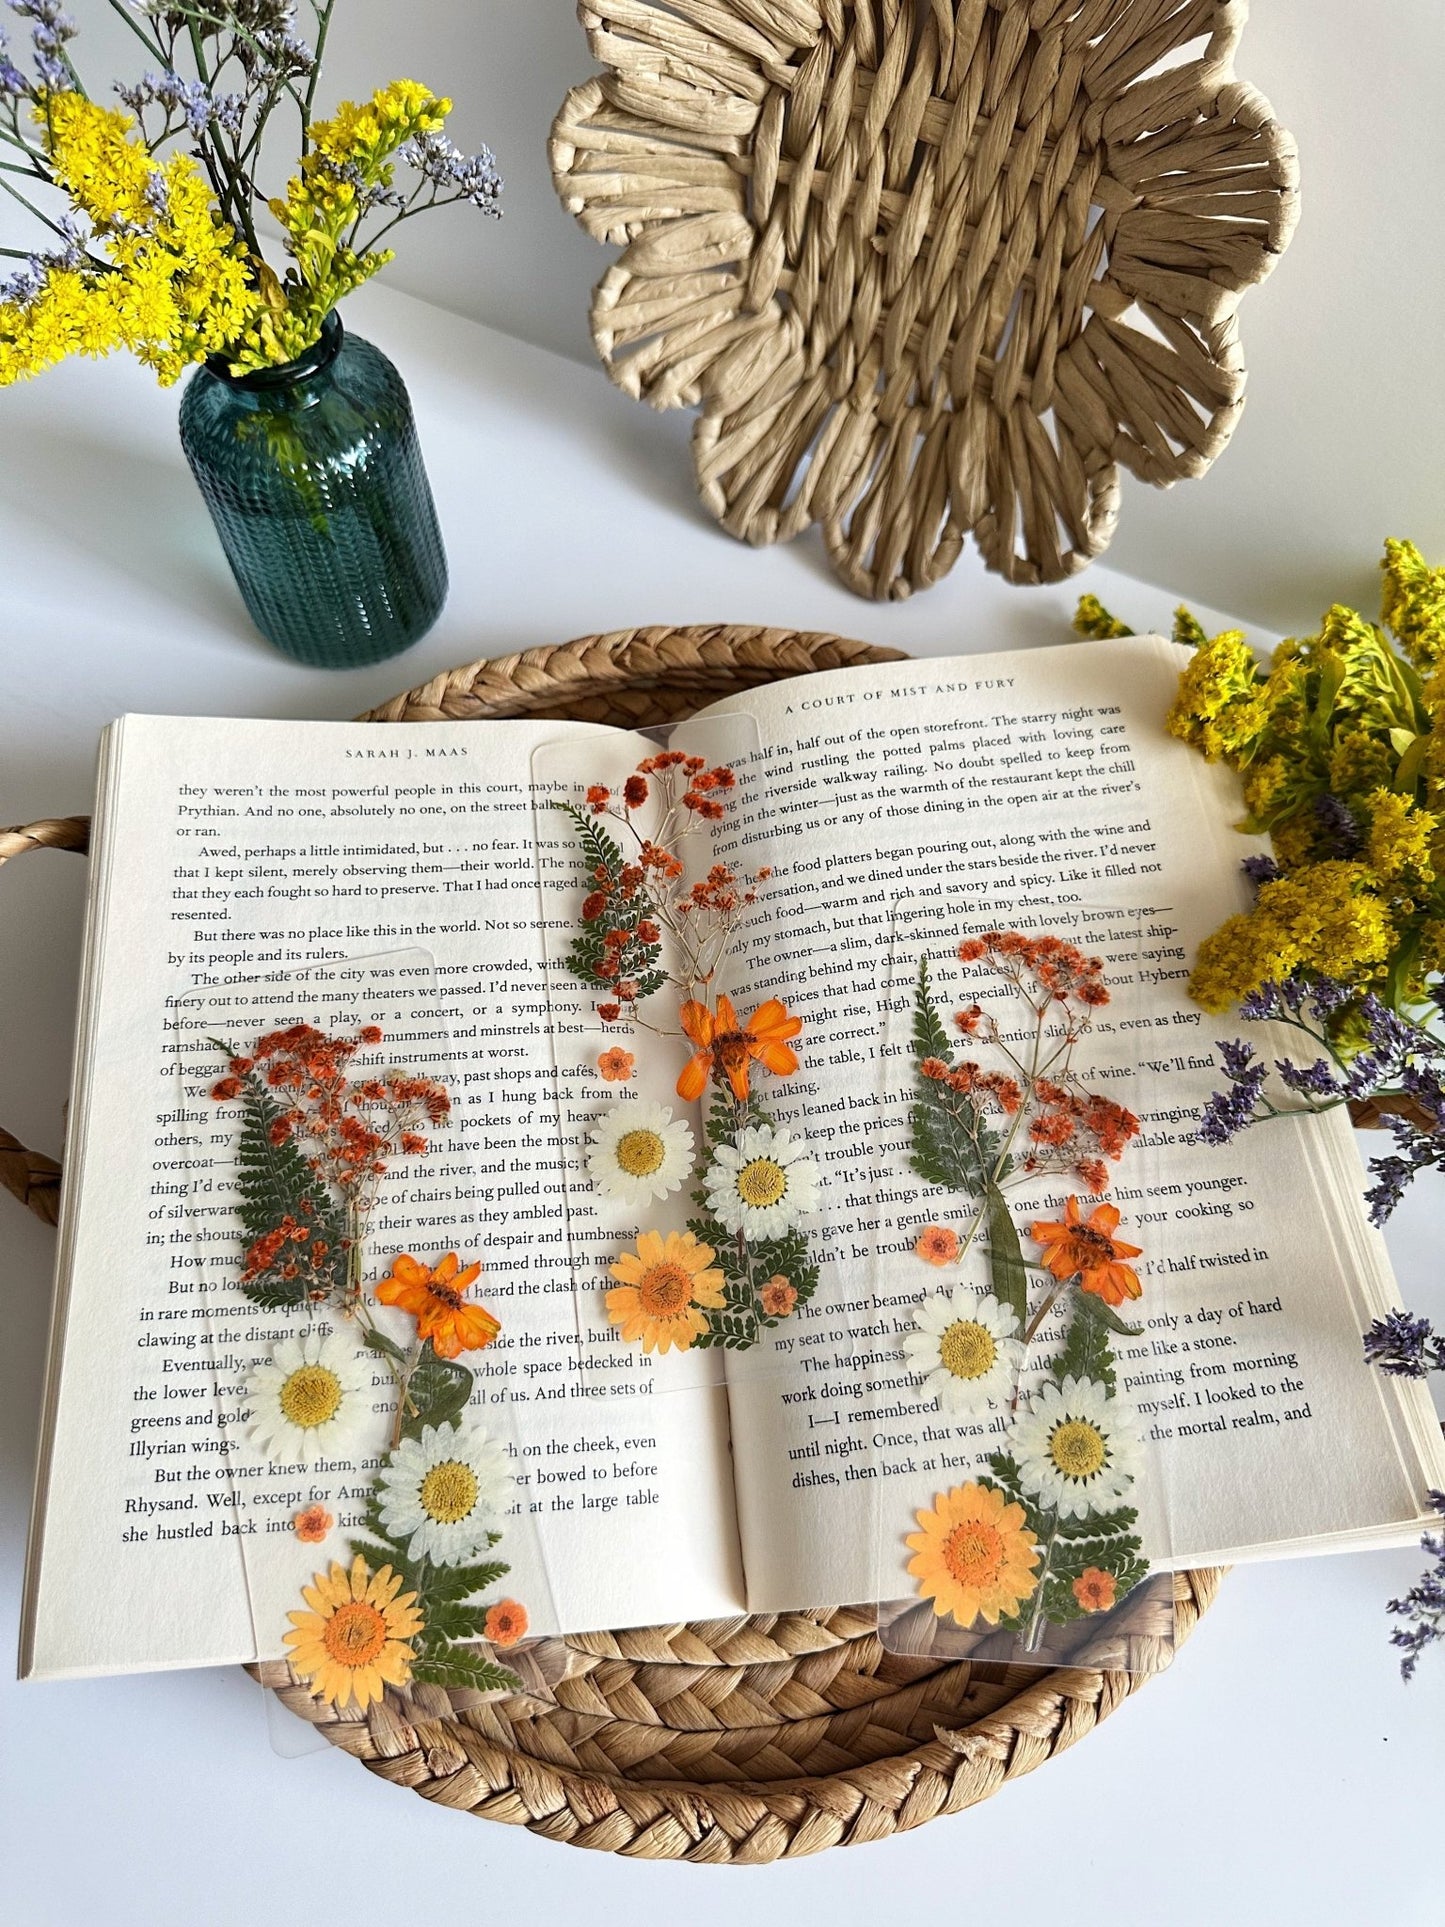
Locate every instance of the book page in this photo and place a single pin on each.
(1017, 791)
(229, 850)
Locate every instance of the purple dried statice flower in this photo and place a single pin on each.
(1227, 1113)
(50, 28)
(470, 177)
(191, 99)
(1261, 870)
(1405, 1347)
(1424, 1603)
(1339, 831)
(13, 84)
(1309, 1080)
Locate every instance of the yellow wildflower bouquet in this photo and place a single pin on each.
(159, 250)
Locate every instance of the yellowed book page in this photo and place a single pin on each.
(236, 849)
(899, 808)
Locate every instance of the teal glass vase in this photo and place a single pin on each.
(314, 478)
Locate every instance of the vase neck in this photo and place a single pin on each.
(312, 362)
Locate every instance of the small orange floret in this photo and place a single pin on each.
(506, 1623)
(936, 1244)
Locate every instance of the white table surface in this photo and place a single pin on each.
(1280, 1773)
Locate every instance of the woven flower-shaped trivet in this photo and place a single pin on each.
(928, 266)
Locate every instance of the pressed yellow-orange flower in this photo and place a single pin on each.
(937, 1244)
(616, 1064)
(352, 1644)
(312, 1524)
(663, 1288)
(433, 1296)
(778, 1296)
(506, 1622)
(1088, 1249)
(726, 1047)
(1094, 1590)
(975, 1556)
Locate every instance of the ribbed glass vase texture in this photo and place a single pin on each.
(314, 478)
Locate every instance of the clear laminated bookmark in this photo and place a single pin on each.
(353, 1448)
(869, 1206)
(1023, 1510)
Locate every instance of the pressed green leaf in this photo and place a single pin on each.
(439, 1388)
(929, 1037)
(456, 1583)
(1007, 1272)
(455, 1666)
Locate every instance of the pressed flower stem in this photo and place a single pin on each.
(1050, 1300)
(1033, 1635)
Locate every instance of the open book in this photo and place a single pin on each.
(896, 807)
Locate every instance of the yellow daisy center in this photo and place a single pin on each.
(967, 1349)
(973, 1553)
(1078, 1449)
(311, 1396)
(665, 1290)
(448, 1492)
(640, 1153)
(761, 1183)
(355, 1633)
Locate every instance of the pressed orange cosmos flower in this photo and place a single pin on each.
(937, 1244)
(506, 1623)
(1094, 1590)
(434, 1299)
(1087, 1248)
(725, 1047)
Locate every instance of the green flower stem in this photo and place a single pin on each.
(1034, 1632)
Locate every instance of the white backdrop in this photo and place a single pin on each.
(1341, 443)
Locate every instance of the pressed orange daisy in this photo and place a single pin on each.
(506, 1622)
(1094, 1590)
(615, 1065)
(726, 1047)
(1086, 1248)
(937, 1244)
(663, 1288)
(352, 1644)
(778, 1296)
(975, 1557)
(433, 1296)
(312, 1524)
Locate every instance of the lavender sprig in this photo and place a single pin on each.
(1424, 1603)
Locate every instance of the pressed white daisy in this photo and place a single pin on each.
(311, 1399)
(444, 1492)
(1078, 1450)
(639, 1152)
(762, 1184)
(967, 1348)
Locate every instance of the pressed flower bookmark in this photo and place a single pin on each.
(657, 932)
(1045, 1534)
(356, 1438)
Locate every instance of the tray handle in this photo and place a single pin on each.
(33, 1177)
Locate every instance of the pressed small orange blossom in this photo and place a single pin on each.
(352, 1644)
(433, 1296)
(937, 1244)
(615, 1065)
(1088, 1249)
(662, 1290)
(975, 1557)
(1094, 1590)
(506, 1623)
(725, 1048)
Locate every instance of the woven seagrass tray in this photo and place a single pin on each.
(729, 1741)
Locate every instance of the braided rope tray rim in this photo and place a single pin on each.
(732, 1741)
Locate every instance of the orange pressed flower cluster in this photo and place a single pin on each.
(346, 1130)
(725, 1047)
(1047, 970)
(434, 1297)
(1086, 1249)
(290, 1251)
(972, 1081)
(1076, 1131)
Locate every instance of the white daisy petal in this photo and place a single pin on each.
(967, 1349)
(1078, 1451)
(637, 1152)
(762, 1183)
(445, 1492)
(311, 1399)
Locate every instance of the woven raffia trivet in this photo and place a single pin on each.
(739, 1740)
(928, 267)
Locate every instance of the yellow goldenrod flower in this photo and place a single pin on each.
(1326, 918)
